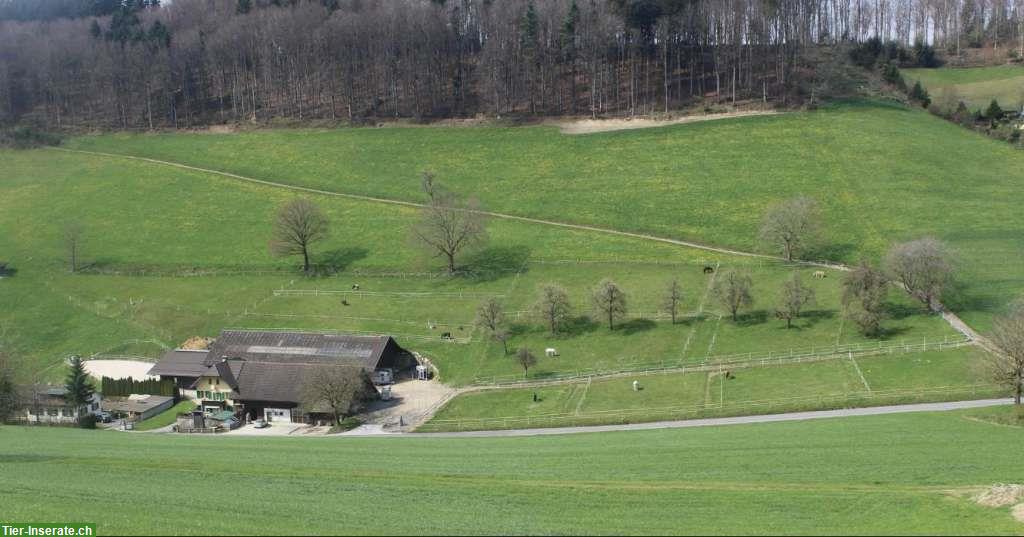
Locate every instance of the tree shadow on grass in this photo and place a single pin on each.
(634, 326)
(335, 261)
(813, 317)
(493, 263)
(889, 333)
(578, 326)
(832, 252)
(902, 311)
(751, 318)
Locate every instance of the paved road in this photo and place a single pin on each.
(709, 422)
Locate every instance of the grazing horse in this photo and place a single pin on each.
(708, 269)
(819, 274)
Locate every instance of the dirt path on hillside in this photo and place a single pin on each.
(587, 126)
(949, 316)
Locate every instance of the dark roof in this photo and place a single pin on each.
(261, 381)
(300, 347)
(181, 363)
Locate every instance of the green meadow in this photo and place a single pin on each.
(882, 172)
(175, 253)
(895, 474)
(976, 86)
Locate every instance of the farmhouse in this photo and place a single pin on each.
(46, 404)
(262, 374)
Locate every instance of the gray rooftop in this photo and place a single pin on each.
(181, 363)
(300, 347)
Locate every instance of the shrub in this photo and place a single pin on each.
(920, 95)
(87, 421)
(994, 111)
(25, 137)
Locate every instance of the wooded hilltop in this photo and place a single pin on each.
(142, 64)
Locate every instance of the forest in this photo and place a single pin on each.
(143, 64)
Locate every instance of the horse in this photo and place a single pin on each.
(708, 269)
(819, 274)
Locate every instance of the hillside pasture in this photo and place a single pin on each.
(976, 86)
(159, 273)
(888, 172)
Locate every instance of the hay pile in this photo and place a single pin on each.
(197, 343)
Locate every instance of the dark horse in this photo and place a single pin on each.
(708, 269)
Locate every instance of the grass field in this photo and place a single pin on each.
(164, 271)
(909, 474)
(838, 383)
(889, 173)
(976, 86)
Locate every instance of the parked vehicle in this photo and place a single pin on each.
(104, 417)
(260, 424)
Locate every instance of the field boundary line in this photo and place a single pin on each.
(583, 396)
(950, 317)
(860, 373)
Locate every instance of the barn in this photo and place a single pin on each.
(260, 374)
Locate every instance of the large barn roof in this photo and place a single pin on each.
(300, 347)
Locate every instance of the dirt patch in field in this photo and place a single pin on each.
(1018, 512)
(587, 126)
(1001, 496)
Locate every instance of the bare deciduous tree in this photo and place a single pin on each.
(794, 297)
(609, 301)
(299, 224)
(553, 306)
(733, 291)
(1007, 367)
(74, 234)
(673, 299)
(448, 226)
(792, 226)
(526, 359)
(865, 289)
(490, 317)
(924, 267)
(338, 389)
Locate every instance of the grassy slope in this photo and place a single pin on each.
(883, 174)
(887, 474)
(976, 86)
(160, 217)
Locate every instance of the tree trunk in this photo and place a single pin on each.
(611, 325)
(305, 260)
(451, 263)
